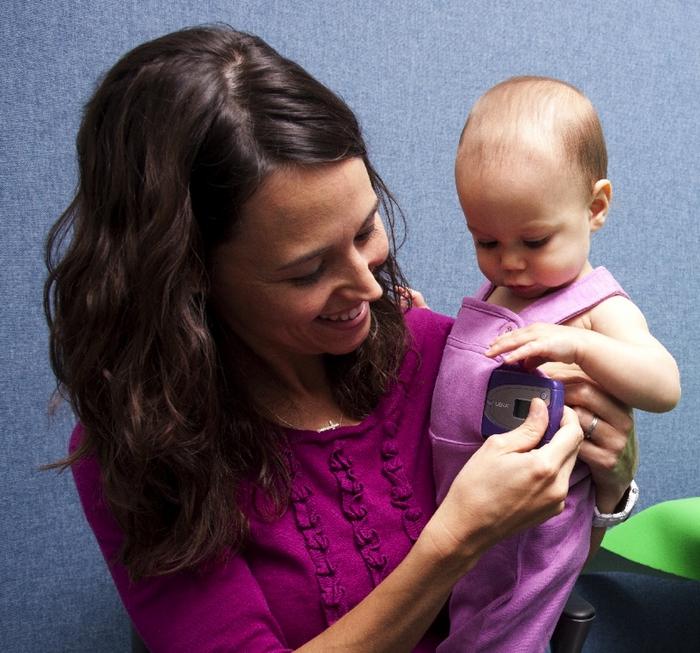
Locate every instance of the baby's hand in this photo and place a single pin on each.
(409, 297)
(540, 343)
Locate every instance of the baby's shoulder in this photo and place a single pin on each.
(611, 316)
(580, 321)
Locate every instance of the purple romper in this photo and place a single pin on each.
(511, 600)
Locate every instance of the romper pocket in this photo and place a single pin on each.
(449, 457)
(460, 392)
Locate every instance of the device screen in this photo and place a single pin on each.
(521, 408)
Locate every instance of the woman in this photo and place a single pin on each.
(253, 401)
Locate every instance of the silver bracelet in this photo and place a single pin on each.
(606, 520)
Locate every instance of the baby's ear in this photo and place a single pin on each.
(600, 203)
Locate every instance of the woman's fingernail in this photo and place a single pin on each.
(536, 406)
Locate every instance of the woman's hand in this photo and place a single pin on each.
(611, 449)
(506, 486)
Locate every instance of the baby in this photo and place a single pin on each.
(531, 178)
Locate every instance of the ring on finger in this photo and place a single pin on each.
(588, 433)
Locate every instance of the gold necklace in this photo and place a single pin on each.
(330, 427)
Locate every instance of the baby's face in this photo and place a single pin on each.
(530, 219)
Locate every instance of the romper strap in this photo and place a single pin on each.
(572, 300)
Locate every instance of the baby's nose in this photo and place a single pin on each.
(513, 260)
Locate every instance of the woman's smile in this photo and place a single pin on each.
(355, 318)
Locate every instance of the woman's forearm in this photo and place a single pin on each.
(597, 535)
(399, 611)
(606, 502)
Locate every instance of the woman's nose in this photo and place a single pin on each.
(365, 282)
(361, 280)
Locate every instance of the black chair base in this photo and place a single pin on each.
(573, 626)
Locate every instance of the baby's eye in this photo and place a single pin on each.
(486, 244)
(535, 244)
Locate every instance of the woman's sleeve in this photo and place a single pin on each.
(220, 608)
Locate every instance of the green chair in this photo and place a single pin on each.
(662, 540)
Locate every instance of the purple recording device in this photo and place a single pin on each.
(508, 398)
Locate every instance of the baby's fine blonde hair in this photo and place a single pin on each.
(536, 113)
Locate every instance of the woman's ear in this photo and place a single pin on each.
(600, 203)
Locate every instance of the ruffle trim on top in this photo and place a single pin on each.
(401, 493)
(366, 539)
(309, 524)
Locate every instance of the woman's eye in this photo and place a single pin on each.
(486, 244)
(365, 235)
(534, 244)
(308, 279)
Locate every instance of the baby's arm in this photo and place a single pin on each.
(618, 352)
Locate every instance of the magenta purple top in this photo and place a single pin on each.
(360, 497)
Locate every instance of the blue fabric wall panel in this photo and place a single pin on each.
(410, 70)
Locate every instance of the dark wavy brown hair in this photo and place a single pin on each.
(178, 135)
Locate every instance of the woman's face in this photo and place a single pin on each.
(296, 280)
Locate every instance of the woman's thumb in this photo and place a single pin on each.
(530, 432)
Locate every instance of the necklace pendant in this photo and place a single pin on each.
(331, 425)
